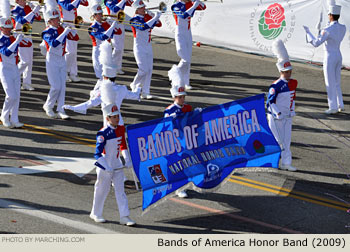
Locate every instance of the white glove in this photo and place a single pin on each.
(110, 30)
(36, 9)
(158, 14)
(63, 34)
(191, 10)
(75, 3)
(120, 4)
(126, 156)
(14, 45)
(173, 115)
(198, 109)
(306, 29)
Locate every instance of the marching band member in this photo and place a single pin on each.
(68, 10)
(281, 105)
(100, 31)
(109, 75)
(179, 107)
(332, 37)
(9, 73)
(183, 11)
(55, 37)
(25, 14)
(110, 143)
(142, 25)
(113, 7)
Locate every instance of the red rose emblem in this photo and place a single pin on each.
(274, 16)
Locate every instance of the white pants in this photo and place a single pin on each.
(102, 187)
(71, 57)
(56, 73)
(332, 72)
(184, 51)
(25, 65)
(282, 131)
(96, 62)
(118, 49)
(144, 60)
(11, 83)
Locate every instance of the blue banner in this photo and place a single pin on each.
(201, 147)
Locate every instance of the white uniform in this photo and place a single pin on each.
(55, 68)
(281, 101)
(25, 15)
(10, 79)
(113, 7)
(95, 100)
(69, 13)
(183, 12)
(110, 143)
(331, 36)
(143, 50)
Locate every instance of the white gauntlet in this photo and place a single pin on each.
(126, 156)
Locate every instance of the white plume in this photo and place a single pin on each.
(280, 50)
(105, 56)
(108, 94)
(5, 8)
(175, 76)
(51, 4)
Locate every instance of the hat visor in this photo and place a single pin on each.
(113, 113)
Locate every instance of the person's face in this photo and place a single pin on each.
(141, 11)
(6, 31)
(113, 120)
(330, 18)
(286, 74)
(98, 17)
(180, 99)
(55, 22)
(21, 2)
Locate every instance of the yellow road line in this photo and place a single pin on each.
(288, 193)
(60, 135)
(293, 191)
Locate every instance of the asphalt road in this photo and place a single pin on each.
(254, 200)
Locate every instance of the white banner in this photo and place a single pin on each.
(241, 25)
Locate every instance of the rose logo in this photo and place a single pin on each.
(272, 21)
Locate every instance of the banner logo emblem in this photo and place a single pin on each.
(272, 21)
(157, 174)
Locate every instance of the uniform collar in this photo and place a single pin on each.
(178, 105)
(109, 125)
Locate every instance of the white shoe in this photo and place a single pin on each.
(146, 96)
(68, 79)
(17, 125)
(6, 123)
(27, 87)
(188, 87)
(341, 110)
(127, 221)
(331, 111)
(74, 78)
(63, 115)
(288, 167)
(133, 87)
(97, 218)
(121, 72)
(49, 112)
(182, 194)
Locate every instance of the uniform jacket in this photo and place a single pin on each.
(142, 31)
(177, 109)
(6, 56)
(281, 97)
(110, 142)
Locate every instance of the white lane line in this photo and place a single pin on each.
(88, 228)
